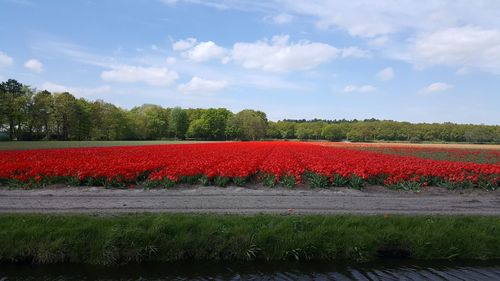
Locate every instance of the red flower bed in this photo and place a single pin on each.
(287, 163)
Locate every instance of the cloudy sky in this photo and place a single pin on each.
(418, 61)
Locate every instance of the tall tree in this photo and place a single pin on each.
(198, 128)
(216, 122)
(332, 132)
(11, 93)
(179, 122)
(43, 108)
(151, 121)
(272, 130)
(65, 114)
(247, 125)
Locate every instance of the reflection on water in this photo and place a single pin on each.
(408, 270)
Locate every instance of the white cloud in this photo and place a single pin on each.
(34, 65)
(371, 19)
(199, 85)
(156, 76)
(358, 18)
(459, 33)
(185, 44)
(466, 46)
(59, 88)
(279, 55)
(205, 51)
(171, 60)
(385, 74)
(75, 53)
(462, 71)
(379, 41)
(5, 60)
(282, 18)
(359, 88)
(355, 52)
(437, 87)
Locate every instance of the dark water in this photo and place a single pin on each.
(408, 270)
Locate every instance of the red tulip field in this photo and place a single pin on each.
(240, 163)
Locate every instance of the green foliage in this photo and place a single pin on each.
(133, 238)
(247, 125)
(268, 180)
(273, 131)
(165, 183)
(339, 180)
(318, 180)
(198, 129)
(309, 130)
(332, 132)
(286, 129)
(26, 114)
(239, 181)
(179, 122)
(149, 122)
(356, 182)
(221, 181)
(288, 181)
(204, 180)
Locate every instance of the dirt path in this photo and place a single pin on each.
(372, 200)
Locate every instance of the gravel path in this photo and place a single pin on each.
(257, 199)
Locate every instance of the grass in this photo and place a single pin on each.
(174, 237)
(21, 145)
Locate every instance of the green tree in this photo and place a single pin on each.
(43, 108)
(11, 97)
(179, 122)
(247, 125)
(362, 131)
(215, 121)
(198, 129)
(82, 124)
(272, 130)
(286, 129)
(151, 121)
(332, 132)
(65, 115)
(109, 121)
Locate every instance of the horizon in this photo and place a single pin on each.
(431, 62)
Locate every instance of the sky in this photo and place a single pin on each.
(405, 60)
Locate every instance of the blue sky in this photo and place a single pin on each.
(418, 61)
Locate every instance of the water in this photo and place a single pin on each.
(388, 270)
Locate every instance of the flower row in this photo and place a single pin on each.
(217, 163)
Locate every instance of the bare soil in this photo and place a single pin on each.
(249, 200)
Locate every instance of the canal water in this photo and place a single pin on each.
(384, 270)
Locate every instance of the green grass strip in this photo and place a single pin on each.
(175, 237)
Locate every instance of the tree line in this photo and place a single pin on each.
(27, 114)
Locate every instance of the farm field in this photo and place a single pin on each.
(449, 152)
(25, 145)
(240, 163)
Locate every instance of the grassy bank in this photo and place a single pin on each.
(175, 237)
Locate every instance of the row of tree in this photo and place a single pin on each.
(26, 114)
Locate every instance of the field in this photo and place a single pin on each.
(449, 152)
(239, 163)
(24, 145)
